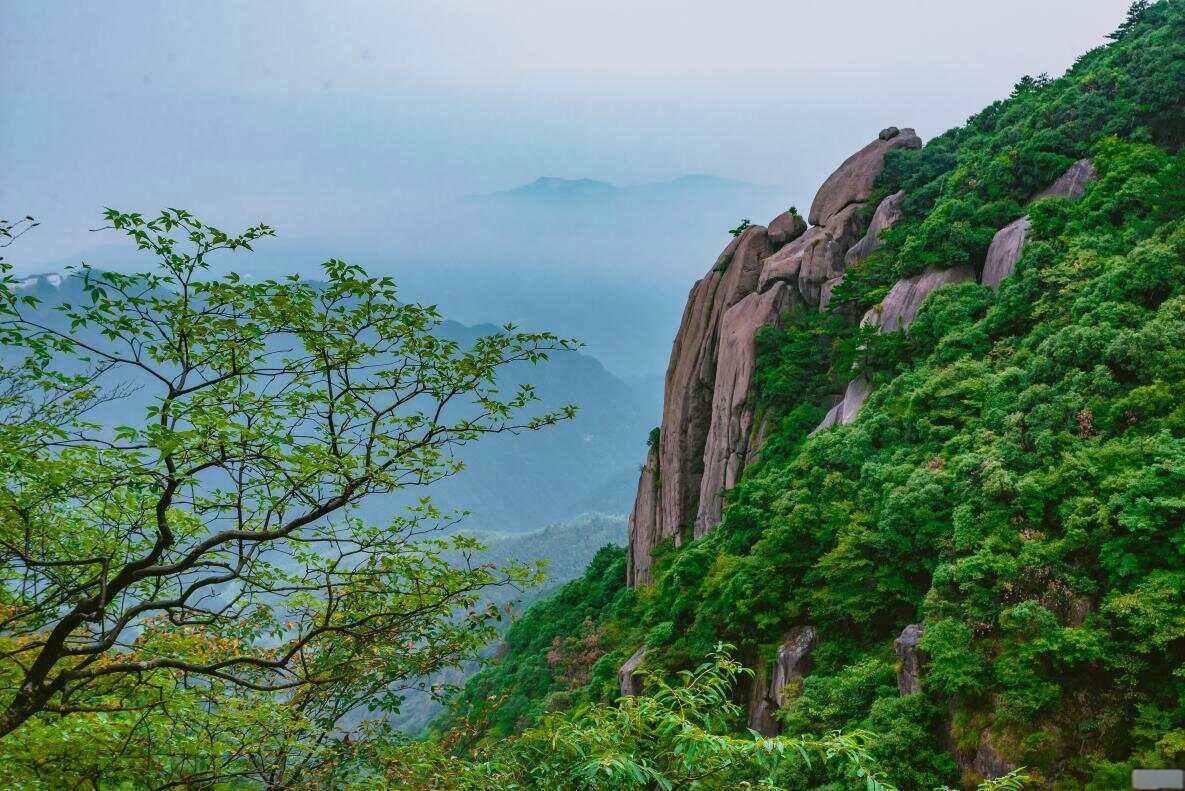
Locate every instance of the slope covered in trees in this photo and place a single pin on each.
(1012, 486)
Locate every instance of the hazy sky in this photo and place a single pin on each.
(329, 119)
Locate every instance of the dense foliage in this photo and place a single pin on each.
(564, 551)
(1014, 483)
(678, 736)
(553, 656)
(188, 595)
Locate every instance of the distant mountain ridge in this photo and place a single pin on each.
(553, 188)
(511, 483)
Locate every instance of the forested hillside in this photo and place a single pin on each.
(582, 464)
(912, 517)
(978, 565)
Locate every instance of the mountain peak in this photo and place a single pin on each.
(41, 282)
(554, 188)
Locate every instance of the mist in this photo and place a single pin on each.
(361, 130)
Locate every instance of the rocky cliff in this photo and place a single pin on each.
(710, 427)
(709, 430)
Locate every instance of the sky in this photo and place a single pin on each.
(324, 116)
(355, 128)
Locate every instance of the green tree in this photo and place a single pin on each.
(206, 556)
(676, 736)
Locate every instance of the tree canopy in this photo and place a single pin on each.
(191, 583)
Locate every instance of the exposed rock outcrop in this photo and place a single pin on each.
(896, 312)
(826, 291)
(844, 412)
(815, 257)
(631, 680)
(709, 431)
(986, 762)
(761, 709)
(899, 308)
(786, 227)
(909, 658)
(645, 520)
(853, 181)
(1004, 252)
(1072, 183)
(888, 213)
(726, 448)
(823, 258)
(1009, 242)
(688, 397)
(784, 265)
(792, 663)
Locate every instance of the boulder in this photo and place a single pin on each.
(1072, 183)
(727, 446)
(688, 398)
(1004, 252)
(631, 680)
(1009, 242)
(889, 132)
(784, 265)
(909, 658)
(785, 228)
(899, 307)
(823, 258)
(826, 290)
(853, 181)
(888, 213)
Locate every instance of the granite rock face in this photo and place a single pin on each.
(645, 519)
(909, 656)
(1007, 245)
(710, 430)
(1072, 183)
(899, 308)
(816, 257)
(853, 181)
(631, 681)
(761, 708)
(896, 312)
(688, 398)
(726, 448)
(888, 213)
(826, 290)
(1004, 252)
(785, 228)
(784, 265)
(986, 762)
(823, 258)
(792, 663)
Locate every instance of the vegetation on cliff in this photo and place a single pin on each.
(1013, 483)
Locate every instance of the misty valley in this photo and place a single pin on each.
(500, 396)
